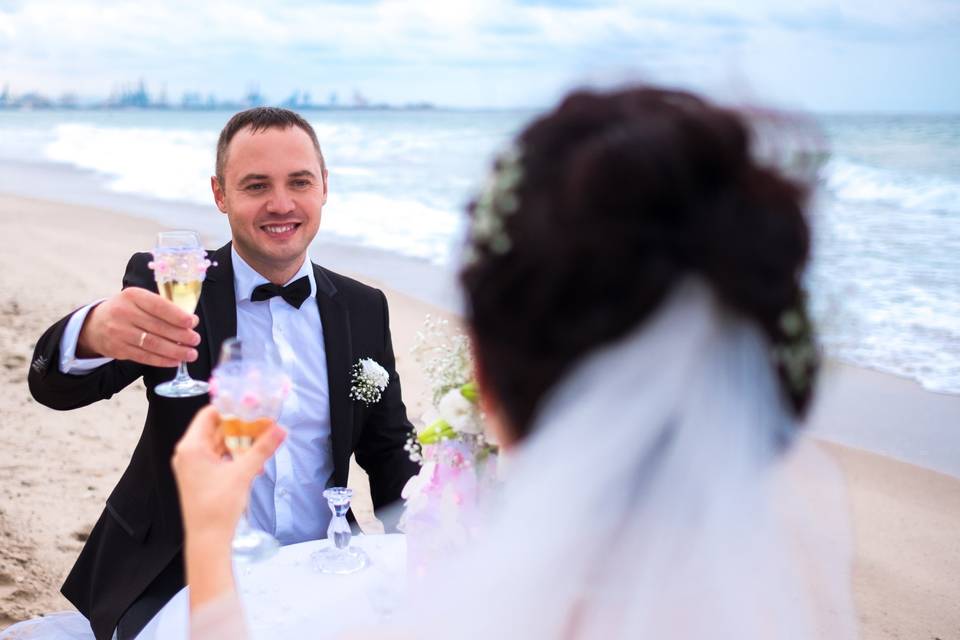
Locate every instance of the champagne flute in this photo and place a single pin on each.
(248, 389)
(179, 267)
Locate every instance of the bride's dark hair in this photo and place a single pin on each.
(606, 203)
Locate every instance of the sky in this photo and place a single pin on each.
(819, 55)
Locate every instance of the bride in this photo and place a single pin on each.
(632, 280)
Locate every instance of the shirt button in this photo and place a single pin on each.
(283, 493)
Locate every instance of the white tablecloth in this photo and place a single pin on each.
(285, 597)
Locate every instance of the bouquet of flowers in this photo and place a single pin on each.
(458, 458)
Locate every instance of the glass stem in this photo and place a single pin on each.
(243, 524)
(182, 374)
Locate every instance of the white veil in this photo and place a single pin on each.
(664, 493)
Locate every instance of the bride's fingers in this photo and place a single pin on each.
(206, 424)
(251, 463)
(220, 445)
(202, 432)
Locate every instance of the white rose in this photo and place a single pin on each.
(460, 413)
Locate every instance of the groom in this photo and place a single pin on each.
(271, 182)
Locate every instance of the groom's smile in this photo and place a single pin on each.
(273, 192)
(281, 230)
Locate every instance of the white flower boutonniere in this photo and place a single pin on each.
(368, 381)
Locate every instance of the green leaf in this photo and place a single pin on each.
(470, 391)
(436, 432)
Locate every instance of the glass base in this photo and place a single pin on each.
(253, 545)
(188, 388)
(341, 561)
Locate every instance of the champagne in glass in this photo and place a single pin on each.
(179, 267)
(248, 389)
(183, 294)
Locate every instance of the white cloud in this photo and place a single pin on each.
(472, 51)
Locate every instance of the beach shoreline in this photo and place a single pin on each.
(60, 467)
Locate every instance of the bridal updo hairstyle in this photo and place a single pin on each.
(616, 197)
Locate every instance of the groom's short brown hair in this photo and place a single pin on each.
(260, 119)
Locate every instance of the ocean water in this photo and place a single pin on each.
(885, 278)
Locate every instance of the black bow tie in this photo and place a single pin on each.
(294, 293)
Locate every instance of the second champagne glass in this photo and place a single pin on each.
(248, 388)
(179, 267)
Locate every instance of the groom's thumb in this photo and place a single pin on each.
(264, 447)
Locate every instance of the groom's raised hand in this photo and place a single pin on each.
(139, 325)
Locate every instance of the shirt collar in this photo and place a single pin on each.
(245, 278)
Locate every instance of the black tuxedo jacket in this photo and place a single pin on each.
(140, 533)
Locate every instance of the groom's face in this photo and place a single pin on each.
(273, 193)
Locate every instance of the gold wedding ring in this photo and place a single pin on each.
(143, 336)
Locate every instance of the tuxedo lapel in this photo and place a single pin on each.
(218, 303)
(337, 343)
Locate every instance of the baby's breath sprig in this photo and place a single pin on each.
(413, 448)
(797, 352)
(369, 380)
(444, 356)
(499, 199)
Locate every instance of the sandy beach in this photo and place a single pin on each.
(58, 468)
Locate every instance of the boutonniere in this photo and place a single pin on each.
(369, 380)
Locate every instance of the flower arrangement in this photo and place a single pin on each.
(455, 415)
(457, 456)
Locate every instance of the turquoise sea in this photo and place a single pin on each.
(885, 278)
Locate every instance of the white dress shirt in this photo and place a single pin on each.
(287, 499)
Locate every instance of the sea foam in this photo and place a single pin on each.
(857, 182)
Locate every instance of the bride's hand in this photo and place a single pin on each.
(213, 488)
(213, 493)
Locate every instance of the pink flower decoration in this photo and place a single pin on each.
(249, 400)
(213, 386)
